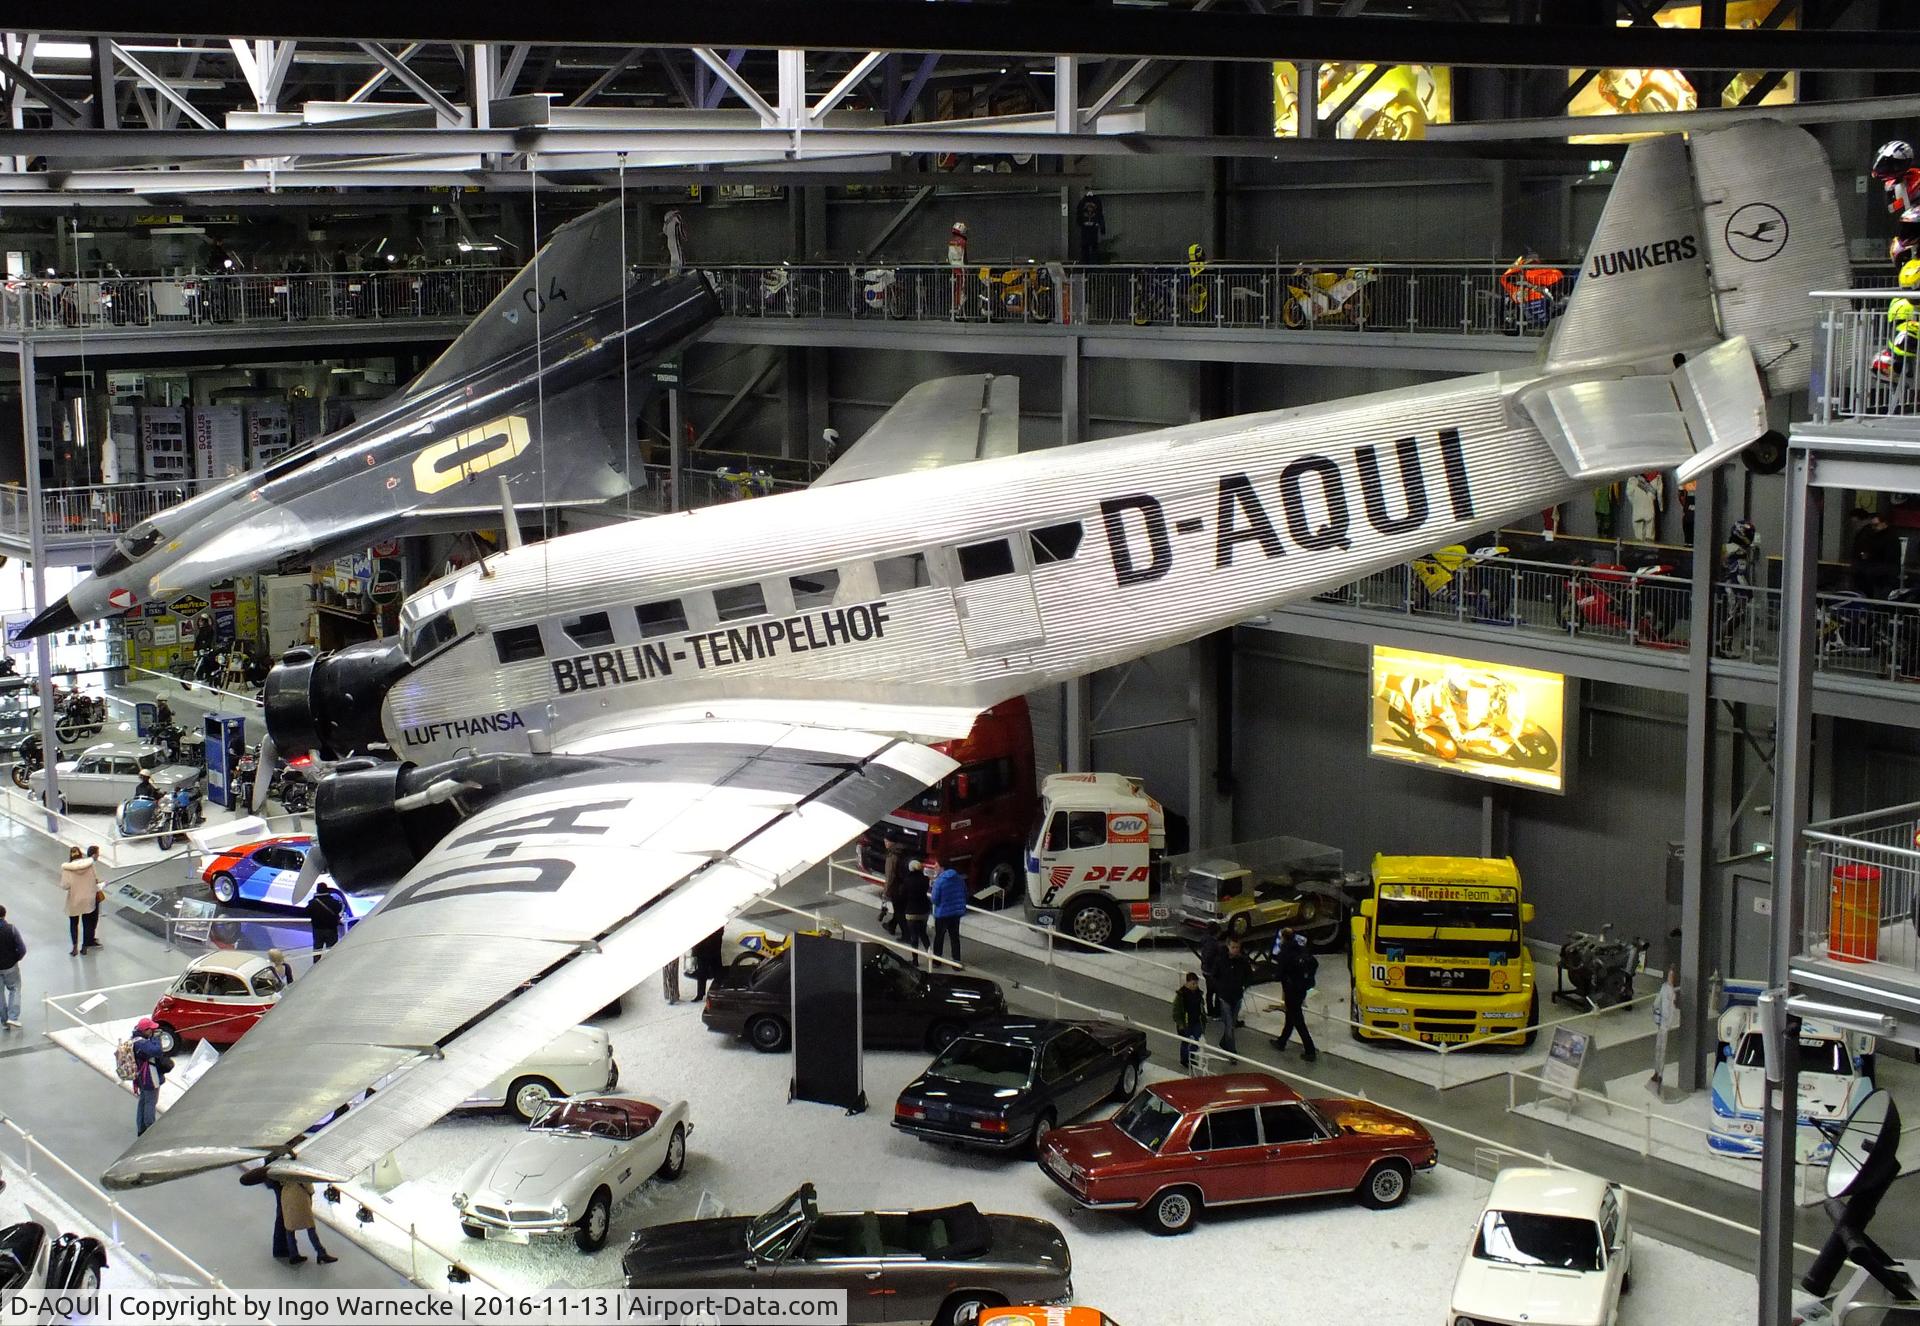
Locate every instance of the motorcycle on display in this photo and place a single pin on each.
(774, 285)
(1608, 597)
(164, 818)
(1466, 715)
(1533, 295)
(1453, 581)
(79, 716)
(743, 484)
(880, 292)
(756, 946)
(29, 759)
(1596, 970)
(292, 785)
(1315, 297)
(177, 745)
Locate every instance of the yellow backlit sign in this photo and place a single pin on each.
(1637, 91)
(1485, 720)
(1399, 105)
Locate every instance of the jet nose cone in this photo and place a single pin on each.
(56, 617)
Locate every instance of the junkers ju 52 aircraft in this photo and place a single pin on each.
(605, 744)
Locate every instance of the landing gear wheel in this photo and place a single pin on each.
(1173, 1211)
(590, 1235)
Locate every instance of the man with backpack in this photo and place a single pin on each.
(1299, 969)
(151, 1064)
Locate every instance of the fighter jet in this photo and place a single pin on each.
(609, 742)
(527, 395)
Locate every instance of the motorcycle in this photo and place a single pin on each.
(774, 284)
(757, 946)
(1451, 580)
(163, 818)
(29, 759)
(79, 716)
(1315, 297)
(292, 785)
(1597, 970)
(1534, 296)
(742, 484)
(177, 745)
(879, 292)
(1490, 723)
(1608, 597)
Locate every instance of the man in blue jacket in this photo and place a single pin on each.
(949, 905)
(147, 1074)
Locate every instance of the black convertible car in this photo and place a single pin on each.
(901, 1007)
(1005, 1084)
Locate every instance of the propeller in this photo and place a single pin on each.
(262, 774)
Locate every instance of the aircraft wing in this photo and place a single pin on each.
(946, 421)
(528, 917)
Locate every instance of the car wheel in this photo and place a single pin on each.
(1237, 925)
(1386, 1185)
(90, 1280)
(1173, 1211)
(1093, 923)
(472, 1230)
(528, 1097)
(590, 1235)
(224, 889)
(674, 1164)
(940, 1035)
(1353, 1013)
(1129, 1082)
(168, 1038)
(767, 1034)
(1042, 1126)
(964, 1309)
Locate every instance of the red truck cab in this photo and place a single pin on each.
(978, 819)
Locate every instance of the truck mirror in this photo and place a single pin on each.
(1366, 907)
(1526, 913)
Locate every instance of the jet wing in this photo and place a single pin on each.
(529, 916)
(946, 421)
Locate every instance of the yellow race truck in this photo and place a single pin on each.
(1439, 953)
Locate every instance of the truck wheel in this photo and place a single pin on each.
(1094, 922)
(1533, 1017)
(1237, 925)
(1002, 881)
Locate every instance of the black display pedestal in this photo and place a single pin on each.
(827, 1034)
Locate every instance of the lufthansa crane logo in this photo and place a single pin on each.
(1756, 232)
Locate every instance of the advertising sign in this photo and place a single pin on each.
(1605, 92)
(1484, 720)
(188, 605)
(1395, 105)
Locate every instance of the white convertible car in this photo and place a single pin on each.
(1835, 1075)
(1553, 1248)
(570, 1168)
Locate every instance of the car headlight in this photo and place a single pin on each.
(460, 1200)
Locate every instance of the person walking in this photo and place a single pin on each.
(949, 895)
(324, 910)
(296, 1213)
(1230, 983)
(259, 1178)
(1092, 217)
(1189, 1018)
(1299, 969)
(1213, 952)
(150, 1064)
(81, 883)
(913, 906)
(1666, 1020)
(707, 960)
(12, 948)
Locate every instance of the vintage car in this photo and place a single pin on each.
(1552, 1248)
(901, 1006)
(217, 999)
(571, 1167)
(33, 1262)
(579, 1063)
(1836, 1074)
(106, 774)
(944, 1265)
(267, 872)
(1181, 1146)
(1007, 1083)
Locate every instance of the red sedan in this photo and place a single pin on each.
(1181, 1146)
(217, 998)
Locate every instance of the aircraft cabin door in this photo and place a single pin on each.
(994, 596)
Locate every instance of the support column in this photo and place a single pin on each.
(37, 552)
(1076, 726)
(1073, 395)
(1792, 752)
(1699, 853)
(676, 450)
(1493, 822)
(1209, 795)
(106, 105)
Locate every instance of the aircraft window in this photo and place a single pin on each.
(983, 561)
(667, 617)
(816, 589)
(517, 644)
(1055, 543)
(429, 637)
(897, 574)
(589, 630)
(737, 601)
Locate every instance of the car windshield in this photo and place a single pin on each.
(772, 1232)
(582, 1118)
(988, 1063)
(1814, 1054)
(1521, 1238)
(1148, 1120)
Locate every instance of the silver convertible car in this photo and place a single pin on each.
(571, 1167)
(105, 775)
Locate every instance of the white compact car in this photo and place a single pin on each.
(571, 1167)
(579, 1063)
(1553, 1248)
(1835, 1075)
(105, 775)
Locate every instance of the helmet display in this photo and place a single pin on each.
(1892, 160)
(1910, 274)
(1742, 533)
(959, 227)
(1195, 253)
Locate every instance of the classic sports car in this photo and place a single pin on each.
(217, 998)
(945, 1265)
(571, 1167)
(1245, 1137)
(105, 775)
(901, 1006)
(580, 1062)
(1553, 1248)
(32, 1262)
(268, 872)
(1007, 1083)
(1835, 1075)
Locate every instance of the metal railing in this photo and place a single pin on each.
(1855, 636)
(108, 509)
(1445, 298)
(124, 303)
(1865, 366)
(1860, 901)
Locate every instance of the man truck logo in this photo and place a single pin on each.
(464, 455)
(1756, 232)
(1126, 828)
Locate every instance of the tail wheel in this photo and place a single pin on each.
(1386, 1185)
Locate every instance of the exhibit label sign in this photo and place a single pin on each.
(1485, 720)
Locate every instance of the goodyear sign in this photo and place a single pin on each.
(188, 605)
